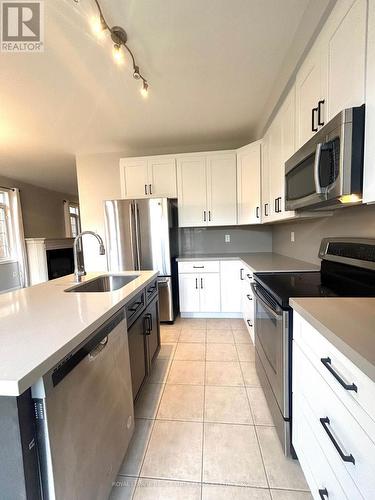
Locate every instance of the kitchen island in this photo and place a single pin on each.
(40, 326)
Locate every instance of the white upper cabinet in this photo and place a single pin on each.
(148, 176)
(369, 173)
(192, 196)
(221, 189)
(206, 187)
(162, 177)
(265, 179)
(134, 177)
(275, 167)
(311, 95)
(347, 57)
(248, 184)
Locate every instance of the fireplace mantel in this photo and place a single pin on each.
(37, 255)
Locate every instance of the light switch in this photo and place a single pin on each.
(227, 238)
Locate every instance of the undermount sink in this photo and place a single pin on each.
(107, 283)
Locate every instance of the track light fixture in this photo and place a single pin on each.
(119, 37)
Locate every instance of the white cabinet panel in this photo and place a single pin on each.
(221, 189)
(369, 169)
(192, 198)
(346, 60)
(230, 285)
(189, 289)
(209, 292)
(134, 177)
(265, 212)
(248, 183)
(162, 177)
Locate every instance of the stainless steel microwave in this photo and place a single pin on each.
(327, 172)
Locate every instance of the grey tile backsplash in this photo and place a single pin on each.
(208, 240)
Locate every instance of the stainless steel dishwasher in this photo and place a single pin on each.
(84, 416)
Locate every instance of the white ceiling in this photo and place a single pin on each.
(212, 66)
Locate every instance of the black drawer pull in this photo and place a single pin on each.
(320, 120)
(313, 127)
(249, 276)
(346, 458)
(249, 296)
(241, 274)
(198, 267)
(257, 212)
(323, 493)
(328, 364)
(249, 322)
(137, 306)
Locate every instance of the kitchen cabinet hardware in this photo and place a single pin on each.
(145, 189)
(198, 267)
(323, 493)
(204, 216)
(266, 209)
(150, 187)
(320, 120)
(326, 423)
(137, 305)
(241, 274)
(249, 296)
(257, 212)
(201, 282)
(196, 283)
(249, 323)
(313, 113)
(249, 276)
(209, 215)
(328, 364)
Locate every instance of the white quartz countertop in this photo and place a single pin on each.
(258, 262)
(42, 324)
(348, 323)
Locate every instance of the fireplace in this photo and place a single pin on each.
(60, 262)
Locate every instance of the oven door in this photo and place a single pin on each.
(272, 343)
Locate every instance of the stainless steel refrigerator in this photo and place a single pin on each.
(142, 235)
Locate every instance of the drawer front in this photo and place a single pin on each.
(135, 307)
(347, 447)
(319, 475)
(352, 386)
(151, 291)
(204, 266)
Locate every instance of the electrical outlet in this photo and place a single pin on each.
(227, 238)
(292, 239)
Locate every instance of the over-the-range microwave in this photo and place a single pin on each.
(327, 171)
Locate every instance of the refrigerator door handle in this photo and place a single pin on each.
(132, 239)
(137, 237)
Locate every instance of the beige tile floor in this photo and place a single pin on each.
(203, 429)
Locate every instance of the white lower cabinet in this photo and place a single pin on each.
(209, 292)
(230, 286)
(199, 292)
(189, 293)
(333, 431)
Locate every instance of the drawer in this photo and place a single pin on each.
(203, 266)
(135, 307)
(339, 373)
(319, 475)
(151, 290)
(346, 445)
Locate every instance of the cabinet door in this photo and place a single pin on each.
(275, 164)
(134, 178)
(309, 91)
(209, 292)
(248, 184)
(230, 286)
(191, 188)
(346, 60)
(222, 189)
(162, 177)
(189, 287)
(288, 145)
(265, 212)
(137, 354)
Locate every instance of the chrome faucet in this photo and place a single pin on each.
(78, 273)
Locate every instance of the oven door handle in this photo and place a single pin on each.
(318, 187)
(264, 303)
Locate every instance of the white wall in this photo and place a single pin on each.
(98, 180)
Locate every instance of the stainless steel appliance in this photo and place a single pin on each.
(327, 171)
(142, 235)
(347, 269)
(84, 416)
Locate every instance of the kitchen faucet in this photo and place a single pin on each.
(78, 273)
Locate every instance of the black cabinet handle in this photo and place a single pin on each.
(276, 200)
(279, 204)
(201, 282)
(198, 267)
(323, 493)
(145, 188)
(320, 120)
(137, 306)
(346, 458)
(150, 186)
(257, 212)
(196, 283)
(147, 324)
(241, 274)
(204, 215)
(313, 127)
(249, 296)
(266, 209)
(328, 364)
(249, 322)
(209, 215)
(249, 276)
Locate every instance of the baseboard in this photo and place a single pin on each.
(211, 315)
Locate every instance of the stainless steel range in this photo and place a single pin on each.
(347, 270)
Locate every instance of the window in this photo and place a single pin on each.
(75, 222)
(5, 235)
